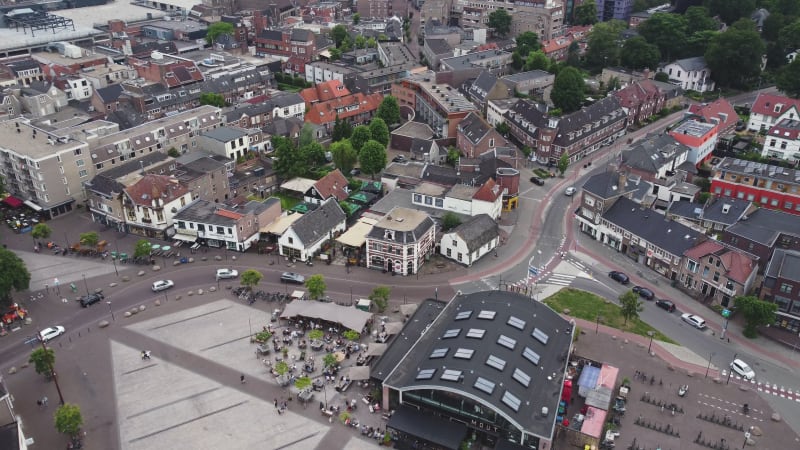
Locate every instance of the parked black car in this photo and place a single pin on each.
(537, 180)
(91, 299)
(619, 277)
(666, 304)
(643, 292)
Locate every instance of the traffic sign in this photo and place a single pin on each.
(726, 313)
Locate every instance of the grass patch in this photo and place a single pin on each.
(287, 202)
(541, 173)
(586, 306)
(289, 87)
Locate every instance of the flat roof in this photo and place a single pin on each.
(448, 97)
(31, 141)
(693, 128)
(402, 219)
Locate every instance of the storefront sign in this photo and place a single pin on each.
(484, 426)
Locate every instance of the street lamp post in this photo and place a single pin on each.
(729, 370)
(597, 325)
(747, 436)
(650, 347)
(111, 311)
(436, 292)
(86, 284)
(114, 260)
(709, 363)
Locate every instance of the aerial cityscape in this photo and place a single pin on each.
(294, 224)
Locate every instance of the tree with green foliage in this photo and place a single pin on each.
(526, 43)
(89, 239)
(741, 43)
(389, 111)
(503, 128)
(329, 360)
(568, 88)
(500, 20)
(573, 55)
(380, 297)
(788, 79)
(351, 335)
(68, 420)
(302, 383)
(347, 45)
(697, 43)
(173, 152)
(756, 313)
(773, 24)
(314, 155)
(281, 368)
(315, 334)
(603, 44)
(789, 36)
(379, 131)
(730, 10)
(666, 31)
(698, 19)
(306, 135)
(250, 278)
(449, 221)
(41, 231)
(344, 155)
(289, 163)
(316, 286)
(338, 34)
(361, 134)
(142, 248)
(563, 162)
(43, 360)
(453, 156)
(361, 41)
(585, 13)
(356, 18)
(537, 60)
(630, 305)
(263, 336)
(372, 157)
(216, 30)
(210, 98)
(662, 77)
(336, 54)
(372, 43)
(341, 130)
(637, 54)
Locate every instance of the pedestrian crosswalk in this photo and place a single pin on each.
(560, 279)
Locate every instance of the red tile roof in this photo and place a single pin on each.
(152, 186)
(637, 93)
(765, 104)
(323, 92)
(229, 214)
(488, 192)
(345, 107)
(719, 111)
(785, 129)
(738, 265)
(332, 185)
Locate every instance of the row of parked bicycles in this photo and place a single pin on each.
(250, 296)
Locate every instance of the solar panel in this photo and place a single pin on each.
(476, 333)
(540, 336)
(464, 353)
(487, 315)
(426, 374)
(449, 334)
(463, 315)
(497, 363)
(506, 342)
(450, 375)
(516, 322)
(511, 401)
(531, 356)
(439, 353)
(482, 384)
(522, 377)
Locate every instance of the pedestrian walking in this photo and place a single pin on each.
(44, 400)
(276, 403)
(241, 378)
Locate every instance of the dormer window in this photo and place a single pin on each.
(388, 235)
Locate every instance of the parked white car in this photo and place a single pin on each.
(51, 333)
(224, 274)
(570, 191)
(693, 320)
(741, 368)
(161, 285)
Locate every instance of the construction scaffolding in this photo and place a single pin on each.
(29, 19)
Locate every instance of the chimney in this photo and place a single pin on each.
(622, 180)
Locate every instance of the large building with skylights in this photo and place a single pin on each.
(486, 367)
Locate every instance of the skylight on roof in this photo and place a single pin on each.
(516, 322)
(476, 333)
(506, 342)
(482, 384)
(522, 377)
(439, 353)
(426, 374)
(511, 401)
(464, 353)
(540, 336)
(463, 315)
(531, 356)
(497, 363)
(450, 375)
(452, 333)
(487, 315)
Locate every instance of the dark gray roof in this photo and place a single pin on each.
(654, 152)
(203, 211)
(478, 231)
(784, 264)
(319, 222)
(421, 146)
(607, 108)
(473, 127)
(532, 112)
(301, 35)
(525, 76)
(106, 182)
(764, 226)
(692, 64)
(499, 347)
(726, 211)
(225, 134)
(273, 35)
(482, 85)
(653, 227)
(443, 175)
(439, 46)
(110, 93)
(606, 185)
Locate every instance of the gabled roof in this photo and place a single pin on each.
(477, 231)
(726, 211)
(653, 227)
(332, 185)
(719, 111)
(606, 109)
(653, 152)
(110, 93)
(773, 105)
(271, 35)
(439, 46)
(302, 35)
(606, 185)
(344, 107)
(420, 147)
(225, 134)
(738, 265)
(317, 224)
(325, 91)
(489, 192)
(786, 129)
(765, 225)
(152, 186)
(692, 64)
(474, 128)
(482, 85)
(637, 93)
